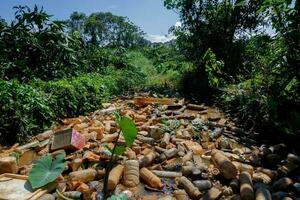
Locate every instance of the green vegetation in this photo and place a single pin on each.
(46, 170)
(248, 51)
(242, 55)
(25, 111)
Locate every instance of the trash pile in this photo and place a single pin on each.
(182, 151)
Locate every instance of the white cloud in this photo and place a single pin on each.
(178, 24)
(160, 38)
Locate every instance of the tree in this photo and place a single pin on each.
(34, 46)
(215, 25)
(76, 22)
(106, 29)
(2, 23)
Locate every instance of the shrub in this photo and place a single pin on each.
(72, 97)
(34, 46)
(80, 95)
(253, 107)
(24, 111)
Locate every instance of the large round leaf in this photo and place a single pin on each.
(45, 170)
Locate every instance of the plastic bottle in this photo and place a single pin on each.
(131, 173)
(246, 189)
(114, 177)
(228, 170)
(168, 154)
(193, 192)
(150, 178)
(181, 195)
(165, 140)
(83, 175)
(147, 159)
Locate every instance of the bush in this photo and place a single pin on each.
(34, 46)
(72, 97)
(162, 72)
(254, 108)
(24, 111)
(28, 109)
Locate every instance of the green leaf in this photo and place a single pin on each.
(45, 170)
(129, 130)
(120, 150)
(242, 3)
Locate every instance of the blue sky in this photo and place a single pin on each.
(150, 15)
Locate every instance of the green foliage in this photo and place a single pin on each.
(213, 68)
(129, 130)
(24, 111)
(29, 109)
(215, 25)
(164, 67)
(45, 170)
(105, 29)
(257, 68)
(98, 59)
(71, 97)
(33, 46)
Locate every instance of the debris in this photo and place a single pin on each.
(166, 174)
(213, 194)
(187, 157)
(193, 146)
(47, 197)
(283, 184)
(246, 189)
(83, 175)
(243, 167)
(115, 176)
(168, 154)
(147, 159)
(141, 101)
(75, 164)
(8, 165)
(165, 140)
(73, 194)
(155, 132)
(196, 107)
(131, 173)
(150, 178)
(186, 184)
(262, 193)
(261, 177)
(228, 170)
(178, 146)
(235, 185)
(203, 184)
(28, 157)
(181, 195)
(68, 139)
